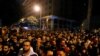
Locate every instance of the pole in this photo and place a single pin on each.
(89, 13)
(40, 19)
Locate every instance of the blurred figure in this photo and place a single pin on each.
(27, 50)
(84, 52)
(29, 37)
(6, 51)
(0, 49)
(73, 51)
(14, 43)
(1, 40)
(49, 53)
(64, 46)
(39, 46)
(53, 46)
(61, 53)
(4, 31)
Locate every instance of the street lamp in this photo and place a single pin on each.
(37, 8)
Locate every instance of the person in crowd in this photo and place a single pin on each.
(64, 46)
(50, 53)
(53, 46)
(7, 51)
(39, 46)
(73, 51)
(1, 40)
(84, 52)
(1, 49)
(27, 50)
(61, 53)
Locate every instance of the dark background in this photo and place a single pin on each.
(10, 11)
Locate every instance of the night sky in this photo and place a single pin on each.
(10, 10)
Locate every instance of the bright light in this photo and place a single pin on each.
(37, 8)
(26, 28)
(22, 19)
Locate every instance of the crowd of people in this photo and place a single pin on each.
(19, 42)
